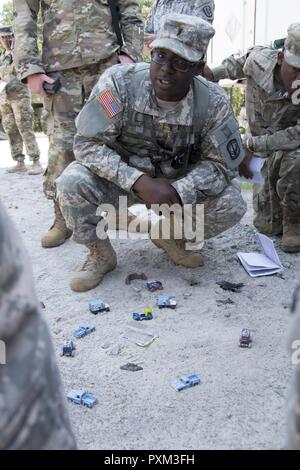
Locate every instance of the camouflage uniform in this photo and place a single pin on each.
(294, 401)
(200, 8)
(78, 42)
(32, 408)
(112, 152)
(16, 111)
(274, 123)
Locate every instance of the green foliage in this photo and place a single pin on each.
(146, 7)
(6, 14)
(6, 17)
(237, 98)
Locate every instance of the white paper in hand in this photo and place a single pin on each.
(262, 264)
(255, 166)
(2, 85)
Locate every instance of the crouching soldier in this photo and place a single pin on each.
(158, 134)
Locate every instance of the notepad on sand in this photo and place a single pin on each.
(262, 264)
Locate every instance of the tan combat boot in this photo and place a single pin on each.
(176, 250)
(101, 260)
(59, 232)
(291, 231)
(36, 168)
(20, 167)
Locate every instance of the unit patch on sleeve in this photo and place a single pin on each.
(110, 103)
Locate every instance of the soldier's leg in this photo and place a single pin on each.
(266, 203)
(65, 105)
(63, 108)
(13, 134)
(24, 116)
(80, 193)
(223, 212)
(188, 229)
(288, 189)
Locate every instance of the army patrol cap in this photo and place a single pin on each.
(292, 46)
(184, 35)
(6, 30)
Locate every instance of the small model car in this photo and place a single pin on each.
(146, 315)
(84, 330)
(154, 286)
(186, 381)
(97, 306)
(245, 339)
(68, 348)
(81, 397)
(166, 301)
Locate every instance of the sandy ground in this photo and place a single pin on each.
(241, 401)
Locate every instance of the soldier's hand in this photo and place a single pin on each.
(244, 169)
(36, 81)
(148, 38)
(156, 191)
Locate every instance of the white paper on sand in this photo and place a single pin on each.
(255, 166)
(262, 264)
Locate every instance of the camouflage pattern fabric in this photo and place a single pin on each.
(75, 33)
(16, 111)
(60, 112)
(294, 400)
(274, 125)
(80, 192)
(151, 136)
(199, 8)
(135, 127)
(32, 406)
(185, 35)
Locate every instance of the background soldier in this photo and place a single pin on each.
(156, 134)
(32, 405)
(199, 8)
(273, 113)
(79, 43)
(16, 110)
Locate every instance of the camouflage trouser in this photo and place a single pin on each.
(80, 192)
(61, 110)
(17, 119)
(280, 189)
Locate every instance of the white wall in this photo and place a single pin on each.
(272, 20)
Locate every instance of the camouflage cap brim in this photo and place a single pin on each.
(292, 59)
(180, 49)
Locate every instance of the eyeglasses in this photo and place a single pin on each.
(181, 65)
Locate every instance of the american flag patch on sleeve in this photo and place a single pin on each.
(110, 103)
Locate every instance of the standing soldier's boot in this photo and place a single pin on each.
(175, 249)
(101, 260)
(59, 232)
(20, 167)
(36, 168)
(291, 231)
